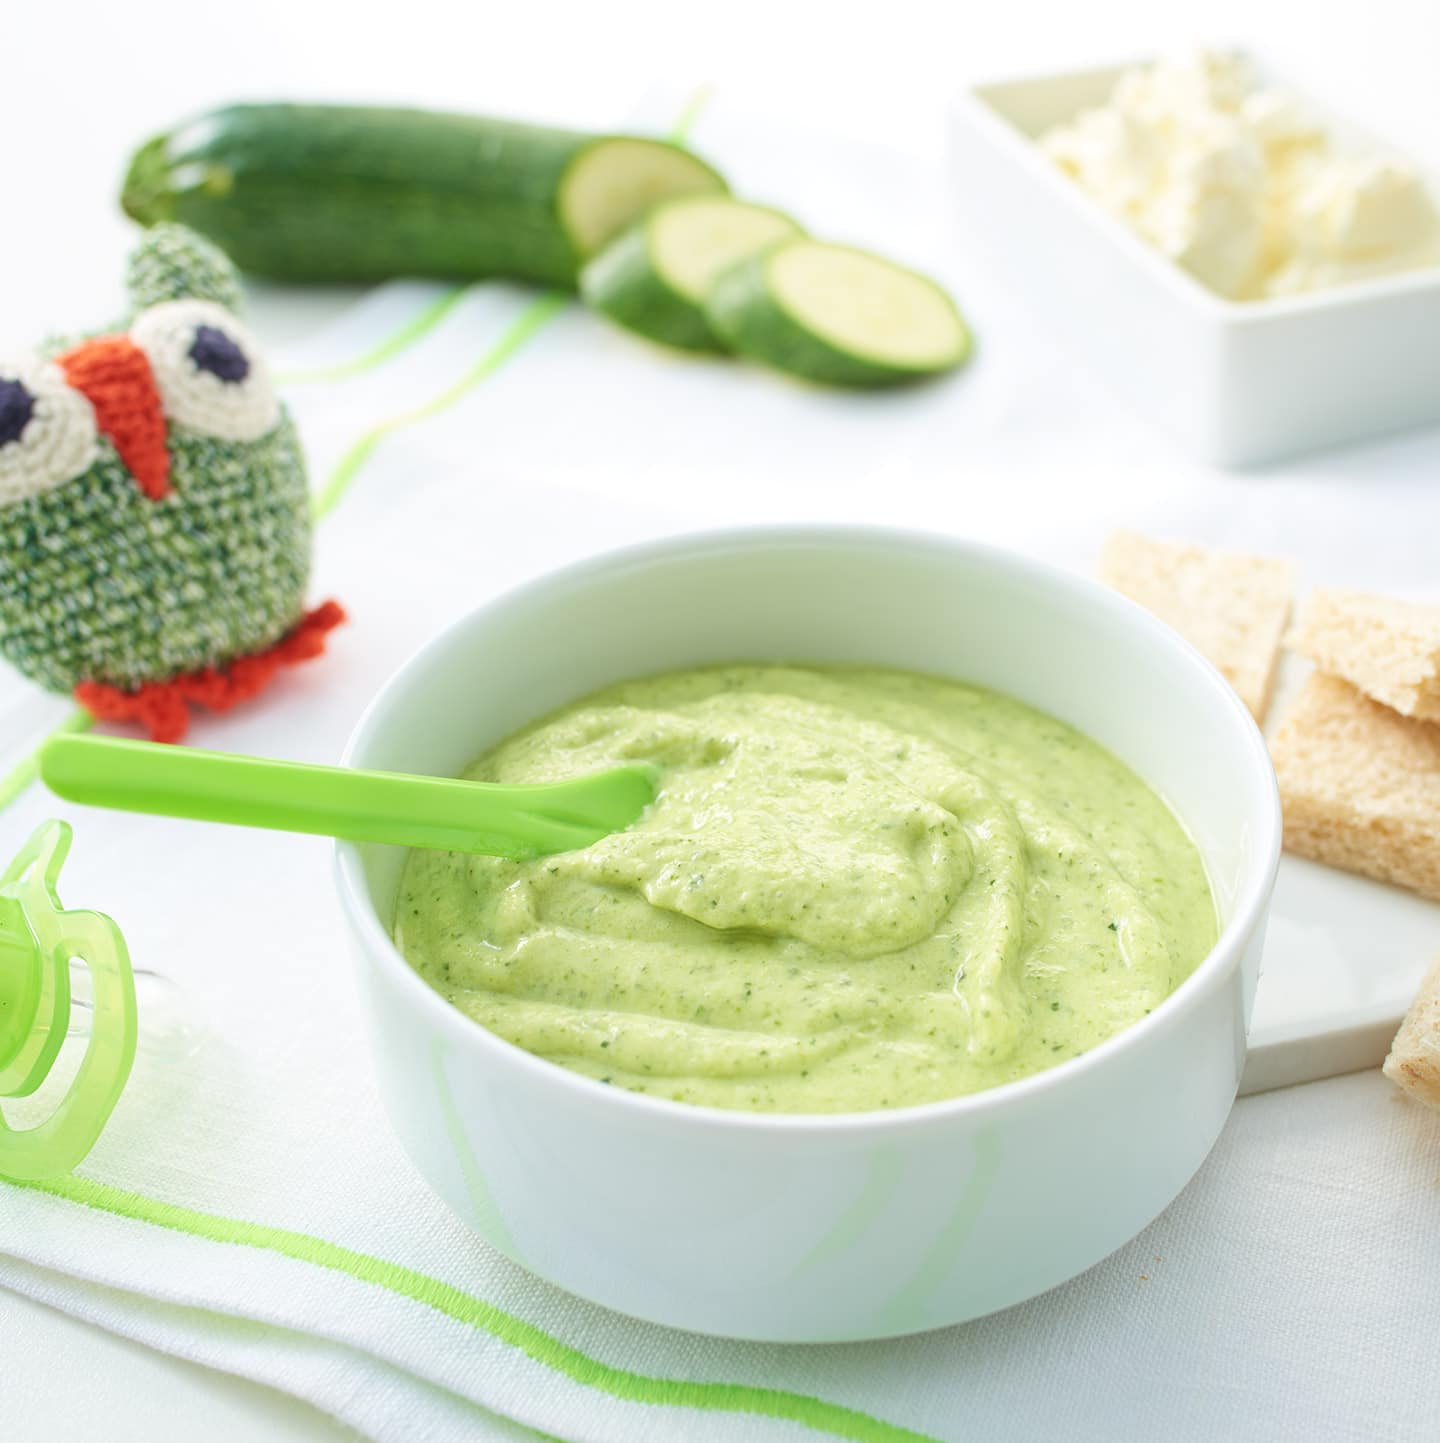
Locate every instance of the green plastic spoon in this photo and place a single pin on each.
(408, 811)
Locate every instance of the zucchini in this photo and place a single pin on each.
(838, 315)
(358, 193)
(654, 278)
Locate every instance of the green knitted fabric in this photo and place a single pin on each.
(100, 583)
(172, 262)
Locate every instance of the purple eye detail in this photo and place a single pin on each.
(214, 351)
(209, 369)
(47, 429)
(17, 405)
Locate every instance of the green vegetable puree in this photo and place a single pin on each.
(856, 889)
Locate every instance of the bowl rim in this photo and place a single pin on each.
(1251, 901)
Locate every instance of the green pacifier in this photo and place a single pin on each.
(38, 941)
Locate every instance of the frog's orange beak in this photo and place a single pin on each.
(114, 375)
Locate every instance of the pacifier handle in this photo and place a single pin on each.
(38, 940)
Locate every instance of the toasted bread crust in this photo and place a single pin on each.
(1231, 607)
(1414, 1060)
(1360, 785)
(1389, 649)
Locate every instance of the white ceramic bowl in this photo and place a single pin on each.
(1238, 383)
(819, 1228)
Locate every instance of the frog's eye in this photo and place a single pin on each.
(47, 430)
(211, 377)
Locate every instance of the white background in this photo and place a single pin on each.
(84, 82)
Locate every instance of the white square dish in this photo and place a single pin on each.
(1237, 382)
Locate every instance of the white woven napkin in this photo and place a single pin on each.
(248, 1207)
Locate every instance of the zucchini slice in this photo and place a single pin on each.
(837, 315)
(363, 193)
(654, 279)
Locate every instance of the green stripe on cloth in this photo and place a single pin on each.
(416, 328)
(25, 771)
(463, 1307)
(526, 324)
(680, 131)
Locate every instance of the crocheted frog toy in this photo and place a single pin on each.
(154, 511)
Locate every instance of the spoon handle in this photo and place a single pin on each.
(407, 811)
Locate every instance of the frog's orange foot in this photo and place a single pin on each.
(163, 707)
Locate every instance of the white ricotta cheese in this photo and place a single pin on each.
(1245, 187)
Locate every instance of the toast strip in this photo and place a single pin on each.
(1360, 785)
(1414, 1060)
(1389, 649)
(1231, 607)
